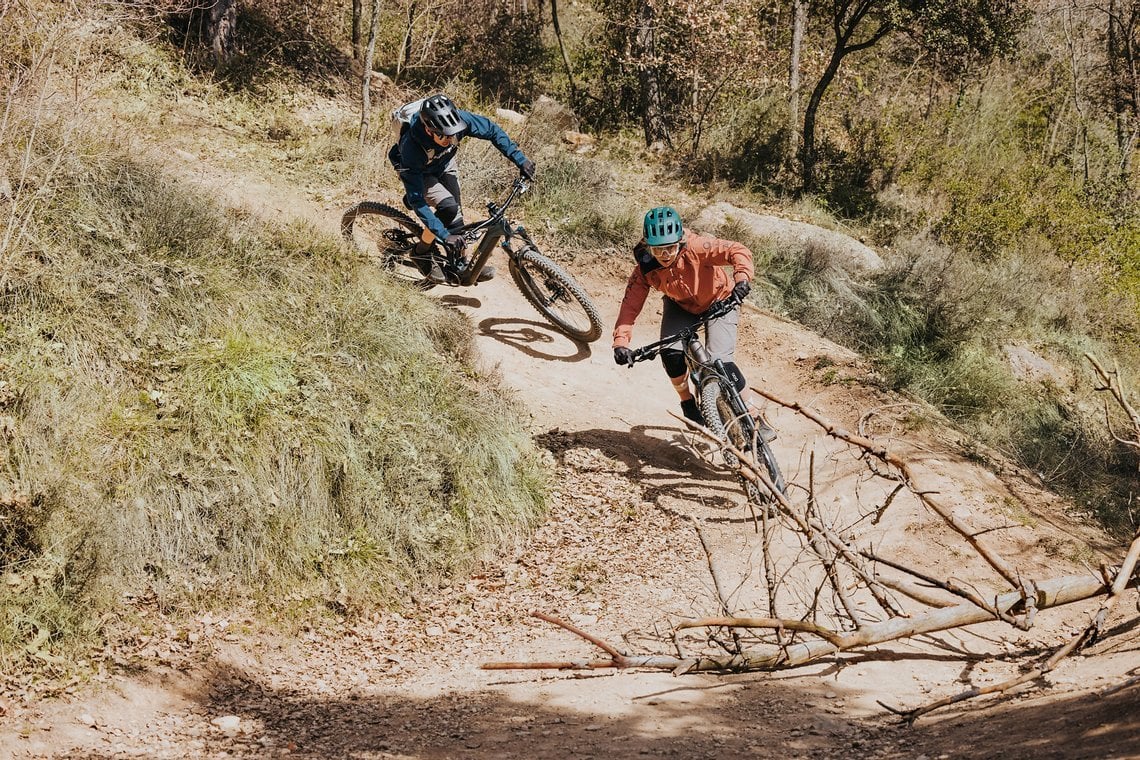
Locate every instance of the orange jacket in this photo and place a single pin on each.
(695, 280)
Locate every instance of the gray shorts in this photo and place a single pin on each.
(720, 334)
(438, 189)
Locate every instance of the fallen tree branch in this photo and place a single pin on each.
(783, 641)
(611, 651)
(1120, 686)
(926, 496)
(1051, 593)
(775, 624)
(809, 528)
(564, 665)
(1087, 636)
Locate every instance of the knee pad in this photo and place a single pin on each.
(736, 375)
(674, 362)
(450, 213)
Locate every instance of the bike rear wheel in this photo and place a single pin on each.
(556, 295)
(728, 425)
(394, 234)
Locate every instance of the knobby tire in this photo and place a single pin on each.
(550, 288)
(390, 253)
(720, 419)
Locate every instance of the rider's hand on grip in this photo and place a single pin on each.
(622, 355)
(741, 290)
(456, 245)
(527, 170)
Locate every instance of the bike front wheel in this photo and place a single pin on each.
(394, 234)
(556, 295)
(730, 426)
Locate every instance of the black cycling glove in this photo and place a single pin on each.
(527, 170)
(456, 245)
(622, 355)
(741, 290)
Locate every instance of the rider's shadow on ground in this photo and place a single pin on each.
(663, 463)
(524, 335)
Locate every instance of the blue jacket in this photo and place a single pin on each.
(416, 156)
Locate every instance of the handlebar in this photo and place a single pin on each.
(496, 211)
(518, 187)
(716, 311)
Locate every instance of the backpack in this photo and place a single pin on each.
(402, 118)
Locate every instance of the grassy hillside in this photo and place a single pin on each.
(203, 409)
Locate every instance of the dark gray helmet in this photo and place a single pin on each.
(441, 116)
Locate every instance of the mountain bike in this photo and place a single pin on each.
(725, 413)
(407, 250)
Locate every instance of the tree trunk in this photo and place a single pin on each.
(1068, 22)
(221, 30)
(808, 179)
(562, 49)
(652, 115)
(366, 78)
(357, 22)
(846, 22)
(1125, 81)
(406, 47)
(799, 21)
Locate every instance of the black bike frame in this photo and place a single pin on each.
(702, 366)
(701, 363)
(495, 228)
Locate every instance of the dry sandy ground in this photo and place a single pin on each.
(620, 556)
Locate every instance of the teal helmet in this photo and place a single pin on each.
(663, 226)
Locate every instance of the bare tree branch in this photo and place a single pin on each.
(1087, 636)
(1111, 382)
(926, 496)
(1055, 592)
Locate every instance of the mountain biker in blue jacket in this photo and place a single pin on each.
(424, 158)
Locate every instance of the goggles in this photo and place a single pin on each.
(665, 252)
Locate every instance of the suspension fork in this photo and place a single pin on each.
(728, 385)
(697, 358)
(700, 363)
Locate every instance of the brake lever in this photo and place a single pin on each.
(720, 308)
(640, 356)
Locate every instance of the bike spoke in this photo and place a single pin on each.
(392, 237)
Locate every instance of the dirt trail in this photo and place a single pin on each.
(620, 557)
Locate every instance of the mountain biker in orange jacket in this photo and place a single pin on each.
(689, 270)
(424, 158)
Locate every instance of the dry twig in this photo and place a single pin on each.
(1087, 636)
(909, 477)
(1111, 382)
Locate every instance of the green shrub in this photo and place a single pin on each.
(577, 199)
